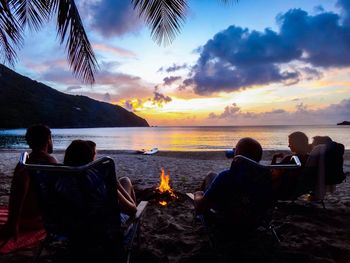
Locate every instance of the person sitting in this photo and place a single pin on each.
(23, 212)
(241, 194)
(298, 143)
(81, 152)
(285, 181)
(334, 159)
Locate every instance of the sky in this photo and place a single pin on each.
(251, 62)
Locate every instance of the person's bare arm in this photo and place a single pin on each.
(124, 193)
(126, 206)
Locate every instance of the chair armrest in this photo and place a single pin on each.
(140, 209)
(134, 218)
(190, 195)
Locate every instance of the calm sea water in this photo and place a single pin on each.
(179, 138)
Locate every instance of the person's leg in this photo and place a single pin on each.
(128, 187)
(207, 181)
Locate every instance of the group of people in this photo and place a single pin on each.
(226, 192)
(219, 191)
(23, 211)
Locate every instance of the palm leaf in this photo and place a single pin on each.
(31, 12)
(70, 29)
(10, 34)
(165, 17)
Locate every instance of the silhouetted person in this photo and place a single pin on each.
(81, 152)
(24, 213)
(285, 181)
(238, 189)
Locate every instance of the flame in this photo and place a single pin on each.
(165, 187)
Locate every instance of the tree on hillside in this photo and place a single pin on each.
(165, 18)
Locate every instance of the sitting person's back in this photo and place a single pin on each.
(23, 212)
(81, 152)
(242, 194)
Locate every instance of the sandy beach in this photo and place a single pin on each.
(308, 232)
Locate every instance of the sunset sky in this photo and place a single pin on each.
(255, 62)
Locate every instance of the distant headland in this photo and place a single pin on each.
(344, 123)
(24, 102)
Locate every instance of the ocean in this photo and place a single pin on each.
(188, 138)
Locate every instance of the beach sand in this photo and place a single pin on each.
(308, 232)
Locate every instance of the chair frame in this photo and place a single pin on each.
(132, 223)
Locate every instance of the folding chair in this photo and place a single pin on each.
(80, 205)
(323, 171)
(259, 203)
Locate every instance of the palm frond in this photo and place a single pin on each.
(33, 13)
(71, 30)
(10, 34)
(165, 17)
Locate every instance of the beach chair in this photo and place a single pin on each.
(255, 208)
(323, 171)
(80, 206)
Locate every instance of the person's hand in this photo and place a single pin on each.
(198, 194)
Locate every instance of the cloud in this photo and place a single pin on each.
(112, 17)
(103, 77)
(186, 83)
(132, 105)
(160, 99)
(73, 88)
(107, 97)
(115, 50)
(345, 7)
(331, 114)
(238, 58)
(173, 68)
(229, 111)
(170, 80)
(108, 80)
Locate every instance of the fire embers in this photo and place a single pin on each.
(164, 191)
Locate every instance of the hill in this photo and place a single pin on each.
(24, 102)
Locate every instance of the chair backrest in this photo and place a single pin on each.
(254, 188)
(78, 202)
(323, 167)
(334, 160)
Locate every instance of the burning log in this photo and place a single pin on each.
(164, 191)
(162, 194)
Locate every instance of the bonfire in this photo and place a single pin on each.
(166, 192)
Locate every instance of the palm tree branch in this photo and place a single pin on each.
(10, 35)
(70, 29)
(33, 13)
(165, 17)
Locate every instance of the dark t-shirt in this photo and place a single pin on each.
(242, 194)
(219, 192)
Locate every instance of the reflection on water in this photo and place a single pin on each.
(179, 138)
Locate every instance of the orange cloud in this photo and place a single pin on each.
(115, 50)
